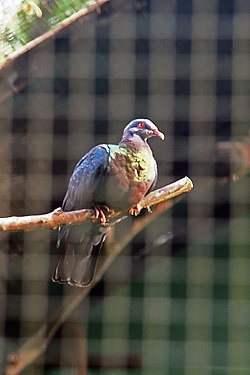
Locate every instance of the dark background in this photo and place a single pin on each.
(177, 302)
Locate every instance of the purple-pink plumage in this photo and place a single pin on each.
(109, 176)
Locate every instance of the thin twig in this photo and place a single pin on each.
(37, 344)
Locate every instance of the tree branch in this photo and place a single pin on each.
(37, 344)
(58, 217)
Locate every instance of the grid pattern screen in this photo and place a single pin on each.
(176, 301)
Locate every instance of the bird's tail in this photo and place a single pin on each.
(77, 263)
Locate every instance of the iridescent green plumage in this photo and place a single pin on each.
(114, 176)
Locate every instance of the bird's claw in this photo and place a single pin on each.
(101, 213)
(135, 210)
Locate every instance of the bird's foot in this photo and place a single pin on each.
(58, 211)
(101, 213)
(135, 210)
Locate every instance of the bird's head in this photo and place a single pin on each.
(143, 128)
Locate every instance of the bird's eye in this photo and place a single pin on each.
(141, 125)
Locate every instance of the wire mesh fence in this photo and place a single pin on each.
(178, 300)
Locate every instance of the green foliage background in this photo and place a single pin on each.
(31, 19)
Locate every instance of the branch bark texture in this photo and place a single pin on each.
(53, 220)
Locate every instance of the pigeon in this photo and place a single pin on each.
(109, 178)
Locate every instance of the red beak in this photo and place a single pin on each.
(159, 134)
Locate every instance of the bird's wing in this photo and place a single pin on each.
(87, 177)
(80, 245)
(155, 179)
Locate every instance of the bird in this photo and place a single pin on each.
(108, 178)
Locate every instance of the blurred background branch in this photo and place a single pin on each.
(233, 158)
(26, 23)
(38, 343)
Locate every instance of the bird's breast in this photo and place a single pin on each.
(130, 177)
(134, 167)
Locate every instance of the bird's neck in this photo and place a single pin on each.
(134, 143)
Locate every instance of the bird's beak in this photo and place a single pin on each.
(159, 134)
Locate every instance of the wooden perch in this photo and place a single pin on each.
(58, 217)
(36, 345)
